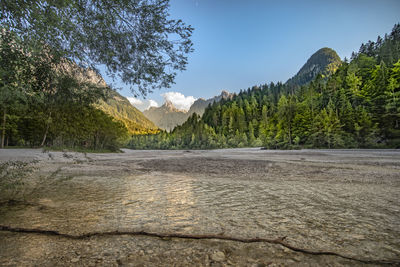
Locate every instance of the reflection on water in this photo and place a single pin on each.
(84, 204)
(165, 202)
(152, 202)
(148, 202)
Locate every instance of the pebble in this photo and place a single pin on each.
(74, 260)
(218, 256)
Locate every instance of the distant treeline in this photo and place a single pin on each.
(356, 107)
(48, 101)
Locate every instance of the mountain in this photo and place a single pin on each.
(167, 116)
(355, 106)
(325, 61)
(121, 109)
(200, 104)
(116, 105)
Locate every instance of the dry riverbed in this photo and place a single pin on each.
(341, 201)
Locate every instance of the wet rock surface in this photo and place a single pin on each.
(345, 201)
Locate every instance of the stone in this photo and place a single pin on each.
(218, 256)
(74, 260)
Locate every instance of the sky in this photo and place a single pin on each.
(242, 43)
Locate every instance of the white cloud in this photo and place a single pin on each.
(179, 100)
(152, 103)
(135, 101)
(142, 104)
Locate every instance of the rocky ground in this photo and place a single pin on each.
(341, 201)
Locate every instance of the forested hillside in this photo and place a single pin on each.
(200, 105)
(325, 62)
(122, 110)
(115, 104)
(357, 106)
(49, 101)
(49, 48)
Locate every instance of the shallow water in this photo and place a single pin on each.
(351, 209)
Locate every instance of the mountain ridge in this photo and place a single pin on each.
(324, 61)
(121, 109)
(168, 116)
(117, 105)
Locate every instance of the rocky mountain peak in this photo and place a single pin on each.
(168, 116)
(225, 94)
(325, 61)
(168, 104)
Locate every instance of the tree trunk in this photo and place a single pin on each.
(3, 134)
(45, 135)
(96, 140)
(47, 130)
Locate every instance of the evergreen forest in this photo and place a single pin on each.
(354, 105)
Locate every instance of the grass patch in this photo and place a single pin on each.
(13, 176)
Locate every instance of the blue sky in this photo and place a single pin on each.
(239, 44)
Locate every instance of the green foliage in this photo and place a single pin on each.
(325, 62)
(356, 106)
(135, 39)
(119, 107)
(13, 79)
(327, 130)
(45, 102)
(385, 49)
(13, 178)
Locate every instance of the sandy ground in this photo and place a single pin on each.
(344, 201)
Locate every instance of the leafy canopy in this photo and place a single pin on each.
(135, 39)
